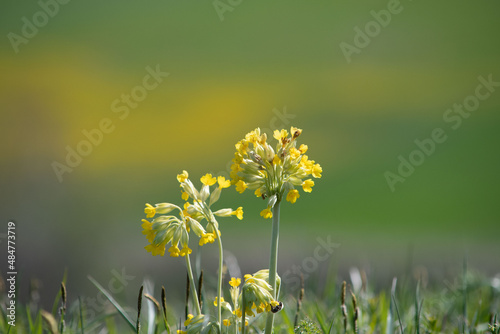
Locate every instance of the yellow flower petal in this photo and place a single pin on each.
(266, 213)
(208, 180)
(156, 249)
(292, 196)
(221, 299)
(223, 183)
(238, 213)
(316, 171)
(146, 225)
(241, 186)
(235, 282)
(150, 211)
(295, 132)
(174, 251)
(188, 320)
(183, 176)
(185, 251)
(279, 135)
(307, 185)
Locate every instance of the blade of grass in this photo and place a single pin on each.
(321, 320)
(464, 292)
(287, 321)
(114, 302)
(38, 323)
(30, 320)
(81, 313)
(417, 309)
(397, 312)
(390, 313)
(331, 326)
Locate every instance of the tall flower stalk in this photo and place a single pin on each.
(164, 229)
(273, 172)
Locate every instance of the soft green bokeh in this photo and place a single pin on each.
(227, 78)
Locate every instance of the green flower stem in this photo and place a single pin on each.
(273, 262)
(219, 283)
(193, 286)
(243, 311)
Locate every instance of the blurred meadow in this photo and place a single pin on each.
(268, 65)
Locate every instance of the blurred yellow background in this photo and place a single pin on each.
(265, 64)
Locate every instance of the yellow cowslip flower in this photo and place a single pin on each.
(280, 135)
(180, 331)
(183, 176)
(185, 212)
(188, 320)
(146, 225)
(261, 308)
(316, 171)
(294, 153)
(221, 299)
(307, 185)
(207, 238)
(295, 132)
(258, 291)
(241, 146)
(266, 213)
(156, 249)
(241, 186)
(174, 230)
(185, 251)
(237, 312)
(150, 211)
(148, 230)
(226, 322)
(223, 183)
(249, 312)
(271, 171)
(306, 164)
(292, 196)
(235, 282)
(174, 251)
(208, 180)
(238, 213)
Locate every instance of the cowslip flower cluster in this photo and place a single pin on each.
(164, 229)
(258, 293)
(258, 298)
(273, 171)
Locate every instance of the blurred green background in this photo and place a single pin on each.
(226, 77)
